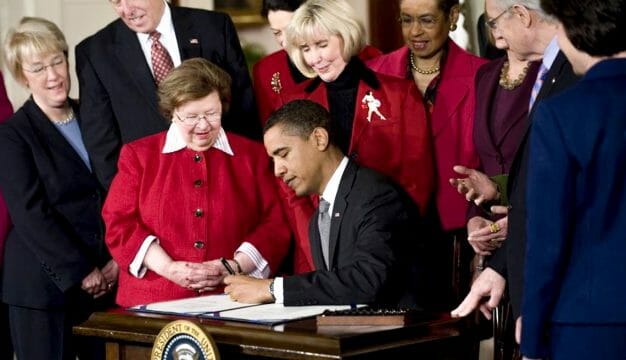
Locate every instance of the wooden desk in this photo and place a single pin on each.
(130, 336)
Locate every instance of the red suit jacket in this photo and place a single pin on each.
(273, 76)
(399, 147)
(452, 122)
(201, 206)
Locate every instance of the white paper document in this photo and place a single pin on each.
(221, 307)
(192, 306)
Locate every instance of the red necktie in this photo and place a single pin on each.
(161, 61)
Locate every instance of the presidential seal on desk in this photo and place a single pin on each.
(183, 340)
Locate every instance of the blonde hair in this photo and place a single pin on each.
(329, 17)
(32, 36)
(194, 79)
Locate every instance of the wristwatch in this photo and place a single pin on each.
(272, 290)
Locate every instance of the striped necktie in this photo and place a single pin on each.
(541, 76)
(323, 222)
(161, 61)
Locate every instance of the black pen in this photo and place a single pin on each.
(227, 266)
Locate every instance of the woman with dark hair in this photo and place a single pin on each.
(274, 73)
(574, 296)
(324, 39)
(444, 74)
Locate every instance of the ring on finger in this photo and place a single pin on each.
(494, 228)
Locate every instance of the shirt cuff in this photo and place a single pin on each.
(279, 293)
(262, 268)
(136, 267)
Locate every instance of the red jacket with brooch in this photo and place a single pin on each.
(451, 121)
(273, 76)
(399, 147)
(160, 194)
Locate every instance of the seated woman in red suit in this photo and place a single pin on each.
(56, 269)
(323, 40)
(444, 74)
(185, 198)
(275, 73)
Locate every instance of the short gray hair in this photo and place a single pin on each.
(333, 17)
(528, 4)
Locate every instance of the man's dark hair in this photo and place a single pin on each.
(276, 5)
(597, 27)
(300, 118)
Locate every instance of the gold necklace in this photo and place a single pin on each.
(508, 84)
(68, 118)
(433, 70)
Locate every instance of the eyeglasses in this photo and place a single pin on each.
(193, 119)
(39, 69)
(493, 23)
(425, 22)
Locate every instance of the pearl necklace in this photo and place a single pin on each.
(433, 70)
(512, 84)
(70, 117)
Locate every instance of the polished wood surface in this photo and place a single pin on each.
(130, 335)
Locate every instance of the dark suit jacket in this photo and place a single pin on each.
(373, 233)
(118, 93)
(576, 214)
(509, 259)
(55, 203)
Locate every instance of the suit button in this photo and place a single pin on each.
(198, 213)
(197, 158)
(198, 244)
(197, 183)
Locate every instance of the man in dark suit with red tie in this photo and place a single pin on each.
(364, 242)
(119, 67)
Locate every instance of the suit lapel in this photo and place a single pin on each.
(187, 37)
(450, 94)
(339, 208)
(48, 134)
(128, 53)
(557, 79)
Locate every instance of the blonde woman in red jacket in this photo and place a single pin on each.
(185, 198)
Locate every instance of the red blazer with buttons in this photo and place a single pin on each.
(200, 205)
(273, 76)
(399, 147)
(452, 122)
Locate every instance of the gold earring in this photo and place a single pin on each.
(452, 27)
